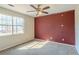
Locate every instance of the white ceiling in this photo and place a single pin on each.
(54, 8)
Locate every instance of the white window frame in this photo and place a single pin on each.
(12, 25)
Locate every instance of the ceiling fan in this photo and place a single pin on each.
(39, 10)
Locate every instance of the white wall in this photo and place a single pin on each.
(77, 27)
(12, 40)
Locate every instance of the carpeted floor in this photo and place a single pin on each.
(41, 48)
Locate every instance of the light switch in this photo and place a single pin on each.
(62, 25)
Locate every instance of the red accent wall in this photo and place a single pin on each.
(56, 27)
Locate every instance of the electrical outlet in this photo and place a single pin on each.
(62, 15)
(51, 38)
(63, 39)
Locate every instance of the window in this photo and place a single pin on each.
(17, 25)
(11, 25)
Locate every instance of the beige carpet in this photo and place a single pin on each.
(41, 48)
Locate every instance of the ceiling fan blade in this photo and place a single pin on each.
(45, 12)
(33, 6)
(39, 5)
(46, 7)
(30, 11)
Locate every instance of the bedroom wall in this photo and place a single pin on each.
(77, 27)
(12, 40)
(56, 27)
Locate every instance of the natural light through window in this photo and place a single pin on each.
(11, 25)
(34, 45)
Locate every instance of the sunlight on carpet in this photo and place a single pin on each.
(34, 45)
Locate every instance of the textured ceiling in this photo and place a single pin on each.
(54, 8)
